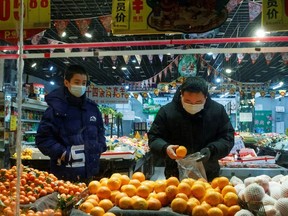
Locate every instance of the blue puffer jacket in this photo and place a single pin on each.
(73, 125)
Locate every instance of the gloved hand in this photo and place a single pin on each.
(206, 154)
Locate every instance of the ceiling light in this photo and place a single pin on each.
(123, 68)
(51, 68)
(113, 67)
(52, 82)
(134, 60)
(228, 70)
(209, 53)
(260, 33)
(126, 87)
(137, 67)
(280, 84)
(88, 35)
(34, 65)
(63, 34)
(218, 80)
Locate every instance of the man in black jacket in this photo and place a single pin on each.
(195, 121)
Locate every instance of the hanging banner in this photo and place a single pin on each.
(36, 14)
(263, 121)
(187, 66)
(275, 15)
(254, 10)
(107, 94)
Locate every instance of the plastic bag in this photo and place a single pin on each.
(188, 167)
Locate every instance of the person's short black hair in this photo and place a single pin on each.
(195, 84)
(74, 69)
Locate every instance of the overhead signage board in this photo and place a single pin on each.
(108, 94)
(36, 14)
(275, 15)
(166, 16)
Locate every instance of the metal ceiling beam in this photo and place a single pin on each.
(149, 43)
(148, 52)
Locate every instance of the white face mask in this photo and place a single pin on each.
(192, 108)
(77, 90)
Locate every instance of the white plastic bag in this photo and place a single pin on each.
(188, 167)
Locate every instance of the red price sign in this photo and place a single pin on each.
(36, 14)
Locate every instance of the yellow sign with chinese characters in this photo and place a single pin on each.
(120, 14)
(36, 14)
(275, 15)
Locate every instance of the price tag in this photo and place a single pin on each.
(13, 123)
(36, 14)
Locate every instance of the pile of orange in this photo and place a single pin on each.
(189, 196)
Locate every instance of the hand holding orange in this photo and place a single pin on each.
(181, 151)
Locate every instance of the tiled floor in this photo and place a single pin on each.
(158, 174)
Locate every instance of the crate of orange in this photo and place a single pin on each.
(121, 195)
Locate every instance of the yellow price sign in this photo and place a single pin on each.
(36, 14)
(13, 123)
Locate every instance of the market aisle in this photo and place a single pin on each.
(158, 173)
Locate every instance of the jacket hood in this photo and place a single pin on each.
(57, 100)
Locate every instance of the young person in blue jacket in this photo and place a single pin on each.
(71, 131)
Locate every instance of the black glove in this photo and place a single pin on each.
(206, 153)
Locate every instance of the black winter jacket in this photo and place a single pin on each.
(174, 126)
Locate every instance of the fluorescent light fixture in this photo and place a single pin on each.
(88, 35)
(34, 65)
(123, 68)
(52, 82)
(63, 34)
(218, 80)
(228, 70)
(51, 68)
(209, 53)
(280, 84)
(113, 67)
(134, 60)
(278, 97)
(137, 67)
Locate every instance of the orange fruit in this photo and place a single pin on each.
(106, 204)
(214, 211)
(199, 211)
(223, 208)
(182, 195)
(222, 182)
(139, 176)
(172, 181)
(171, 191)
(118, 197)
(129, 189)
(124, 179)
(228, 188)
(113, 195)
(109, 214)
(233, 210)
(139, 203)
(93, 201)
(154, 204)
(93, 196)
(149, 184)
(191, 203)
(178, 205)
(103, 179)
(212, 198)
(214, 182)
(206, 205)
(181, 151)
(116, 175)
(104, 182)
(198, 190)
(103, 192)
(184, 188)
(162, 197)
(143, 191)
(86, 207)
(135, 182)
(189, 181)
(126, 202)
(97, 211)
(93, 186)
(114, 183)
(230, 199)
(160, 186)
